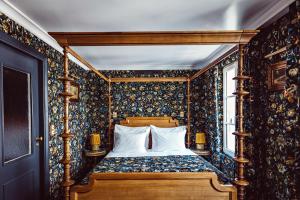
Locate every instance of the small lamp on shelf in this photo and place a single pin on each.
(200, 141)
(95, 141)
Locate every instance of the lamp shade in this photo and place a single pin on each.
(200, 138)
(95, 139)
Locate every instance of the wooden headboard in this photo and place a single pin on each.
(162, 122)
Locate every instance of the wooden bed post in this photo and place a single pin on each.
(188, 112)
(240, 134)
(66, 135)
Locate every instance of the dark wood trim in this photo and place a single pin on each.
(153, 38)
(215, 62)
(43, 89)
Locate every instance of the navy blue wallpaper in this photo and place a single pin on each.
(87, 115)
(274, 145)
(207, 113)
(273, 117)
(273, 148)
(149, 99)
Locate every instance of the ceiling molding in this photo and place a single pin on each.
(213, 56)
(215, 62)
(86, 63)
(257, 22)
(268, 13)
(22, 19)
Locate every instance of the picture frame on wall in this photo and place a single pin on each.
(75, 90)
(277, 76)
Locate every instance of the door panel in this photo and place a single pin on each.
(17, 114)
(25, 181)
(19, 125)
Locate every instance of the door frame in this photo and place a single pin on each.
(43, 106)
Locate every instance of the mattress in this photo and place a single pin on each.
(162, 162)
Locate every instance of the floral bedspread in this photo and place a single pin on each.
(186, 163)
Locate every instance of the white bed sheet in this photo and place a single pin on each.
(151, 153)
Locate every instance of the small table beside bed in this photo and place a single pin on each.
(156, 165)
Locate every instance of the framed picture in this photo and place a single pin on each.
(74, 89)
(277, 76)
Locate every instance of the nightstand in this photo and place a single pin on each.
(201, 152)
(96, 156)
(91, 153)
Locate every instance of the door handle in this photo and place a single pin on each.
(39, 139)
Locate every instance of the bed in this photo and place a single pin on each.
(154, 175)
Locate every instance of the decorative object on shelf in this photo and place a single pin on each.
(95, 141)
(200, 141)
(277, 76)
(74, 90)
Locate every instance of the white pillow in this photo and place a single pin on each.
(130, 139)
(168, 139)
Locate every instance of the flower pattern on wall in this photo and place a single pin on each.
(207, 113)
(152, 99)
(86, 116)
(273, 148)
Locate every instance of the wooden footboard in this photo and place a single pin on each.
(151, 186)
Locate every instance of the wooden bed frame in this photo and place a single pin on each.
(153, 185)
(240, 38)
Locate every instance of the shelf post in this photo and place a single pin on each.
(66, 135)
(240, 134)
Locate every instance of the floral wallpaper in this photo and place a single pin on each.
(87, 115)
(149, 99)
(207, 116)
(274, 145)
(273, 117)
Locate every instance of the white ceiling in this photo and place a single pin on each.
(146, 15)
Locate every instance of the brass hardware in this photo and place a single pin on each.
(39, 139)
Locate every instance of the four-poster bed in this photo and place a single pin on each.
(199, 185)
